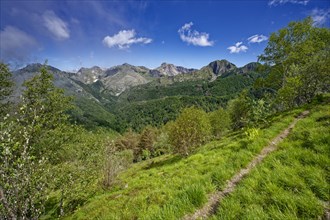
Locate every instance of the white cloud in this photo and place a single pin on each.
(124, 39)
(194, 37)
(257, 38)
(15, 44)
(238, 47)
(320, 16)
(56, 25)
(281, 2)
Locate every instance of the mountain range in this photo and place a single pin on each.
(119, 78)
(107, 96)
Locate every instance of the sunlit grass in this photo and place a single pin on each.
(292, 182)
(168, 187)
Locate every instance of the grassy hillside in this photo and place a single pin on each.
(293, 180)
(292, 183)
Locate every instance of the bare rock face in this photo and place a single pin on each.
(119, 78)
(89, 75)
(167, 69)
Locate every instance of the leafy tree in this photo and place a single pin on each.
(5, 89)
(25, 140)
(129, 141)
(300, 55)
(239, 110)
(220, 122)
(260, 110)
(147, 141)
(45, 107)
(191, 129)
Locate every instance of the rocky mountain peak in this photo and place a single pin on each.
(167, 69)
(88, 75)
(219, 67)
(35, 67)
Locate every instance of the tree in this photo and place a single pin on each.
(147, 140)
(28, 140)
(239, 110)
(5, 89)
(191, 129)
(300, 56)
(220, 122)
(129, 141)
(45, 107)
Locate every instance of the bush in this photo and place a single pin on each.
(191, 129)
(115, 162)
(220, 122)
(129, 141)
(239, 110)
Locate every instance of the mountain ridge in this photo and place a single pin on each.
(117, 79)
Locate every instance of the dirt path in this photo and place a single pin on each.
(214, 200)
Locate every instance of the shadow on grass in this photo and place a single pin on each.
(166, 162)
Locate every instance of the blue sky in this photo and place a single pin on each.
(72, 34)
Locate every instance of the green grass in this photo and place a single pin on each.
(168, 187)
(292, 182)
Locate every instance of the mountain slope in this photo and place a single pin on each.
(219, 67)
(89, 111)
(169, 187)
(127, 92)
(61, 79)
(88, 75)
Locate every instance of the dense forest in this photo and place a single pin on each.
(58, 161)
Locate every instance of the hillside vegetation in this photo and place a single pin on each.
(157, 149)
(169, 187)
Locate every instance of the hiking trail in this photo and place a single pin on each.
(215, 198)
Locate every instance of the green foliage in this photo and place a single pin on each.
(115, 161)
(292, 182)
(129, 141)
(45, 108)
(158, 112)
(147, 142)
(239, 110)
(156, 103)
(142, 145)
(220, 122)
(169, 186)
(300, 53)
(252, 133)
(5, 89)
(80, 171)
(29, 140)
(92, 114)
(22, 175)
(191, 129)
(260, 111)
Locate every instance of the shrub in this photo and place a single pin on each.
(146, 144)
(191, 129)
(129, 141)
(220, 122)
(239, 110)
(115, 162)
